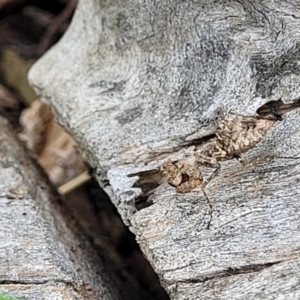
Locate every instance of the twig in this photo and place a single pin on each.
(74, 183)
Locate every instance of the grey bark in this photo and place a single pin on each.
(138, 82)
(43, 254)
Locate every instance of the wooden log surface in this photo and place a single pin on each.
(43, 254)
(139, 83)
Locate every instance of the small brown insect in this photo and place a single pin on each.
(183, 175)
(235, 134)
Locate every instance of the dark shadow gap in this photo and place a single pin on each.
(277, 108)
(99, 218)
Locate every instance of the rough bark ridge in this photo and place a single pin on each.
(137, 83)
(43, 254)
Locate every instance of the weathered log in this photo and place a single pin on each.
(139, 84)
(43, 254)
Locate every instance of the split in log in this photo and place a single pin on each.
(140, 84)
(43, 254)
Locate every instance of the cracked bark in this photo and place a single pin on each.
(43, 253)
(143, 82)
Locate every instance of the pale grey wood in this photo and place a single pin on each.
(254, 220)
(43, 254)
(137, 82)
(280, 281)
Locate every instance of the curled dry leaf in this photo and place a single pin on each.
(54, 149)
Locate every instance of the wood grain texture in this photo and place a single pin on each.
(43, 254)
(45, 291)
(137, 83)
(280, 281)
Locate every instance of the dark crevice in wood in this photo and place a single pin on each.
(198, 142)
(233, 271)
(85, 288)
(38, 282)
(277, 108)
(155, 155)
(249, 269)
(142, 202)
(104, 227)
(148, 181)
